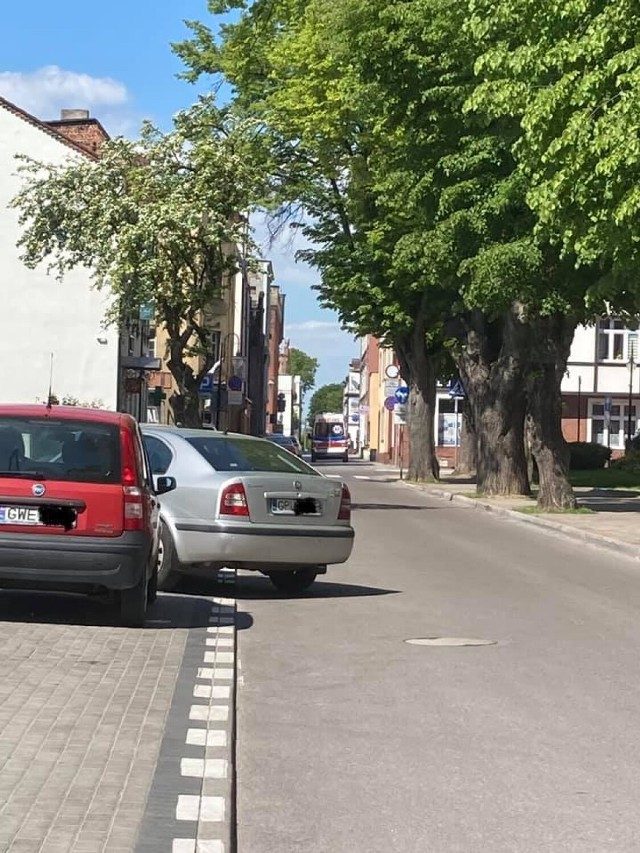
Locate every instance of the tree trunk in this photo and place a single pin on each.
(419, 371)
(551, 342)
(423, 463)
(466, 464)
(491, 368)
(186, 406)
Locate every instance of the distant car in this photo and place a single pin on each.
(78, 507)
(330, 438)
(247, 503)
(290, 442)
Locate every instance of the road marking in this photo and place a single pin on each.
(207, 691)
(215, 715)
(190, 845)
(207, 713)
(220, 642)
(361, 477)
(207, 737)
(188, 807)
(201, 768)
(218, 657)
(212, 809)
(183, 845)
(206, 672)
(223, 673)
(334, 476)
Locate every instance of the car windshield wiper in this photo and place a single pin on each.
(23, 475)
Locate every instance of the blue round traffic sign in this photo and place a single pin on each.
(402, 394)
(235, 383)
(390, 403)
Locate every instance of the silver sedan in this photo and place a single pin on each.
(245, 502)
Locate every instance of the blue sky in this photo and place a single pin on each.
(115, 59)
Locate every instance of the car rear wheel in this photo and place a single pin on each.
(133, 604)
(296, 581)
(168, 577)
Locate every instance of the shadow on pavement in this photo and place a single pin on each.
(171, 610)
(258, 587)
(356, 506)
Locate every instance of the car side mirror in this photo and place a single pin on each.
(165, 484)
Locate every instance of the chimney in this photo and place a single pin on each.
(74, 115)
(79, 127)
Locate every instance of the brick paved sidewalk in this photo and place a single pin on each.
(83, 709)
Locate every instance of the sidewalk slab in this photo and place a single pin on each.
(613, 525)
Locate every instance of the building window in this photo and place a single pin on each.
(609, 423)
(215, 344)
(615, 342)
(448, 429)
(151, 348)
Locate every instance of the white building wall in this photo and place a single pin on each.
(40, 315)
(583, 347)
(286, 387)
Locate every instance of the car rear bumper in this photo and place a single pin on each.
(65, 561)
(261, 544)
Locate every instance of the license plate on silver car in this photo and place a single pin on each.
(294, 506)
(19, 515)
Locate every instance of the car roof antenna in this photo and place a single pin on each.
(49, 396)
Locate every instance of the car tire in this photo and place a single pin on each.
(298, 580)
(345, 458)
(168, 577)
(133, 604)
(152, 587)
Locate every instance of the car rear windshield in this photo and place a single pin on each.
(81, 451)
(244, 454)
(326, 429)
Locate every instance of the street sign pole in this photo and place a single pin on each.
(455, 455)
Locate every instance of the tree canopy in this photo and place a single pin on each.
(571, 73)
(404, 131)
(304, 366)
(328, 398)
(154, 221)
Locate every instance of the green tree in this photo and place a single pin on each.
(417, 211)
(328, 398)
(304, 366)
(154, 221)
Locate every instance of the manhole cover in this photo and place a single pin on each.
(449, 641)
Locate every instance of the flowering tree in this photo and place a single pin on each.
(154, 221)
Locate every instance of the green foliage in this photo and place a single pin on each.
(630, 463)
(328, 398)
(304, 366)
(570, 72)
(587, 456)
(153, 221)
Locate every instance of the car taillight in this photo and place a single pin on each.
(233, 501)
(133, 498)
(344, 513)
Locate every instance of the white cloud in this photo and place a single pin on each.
(47, 90)
(313, 326)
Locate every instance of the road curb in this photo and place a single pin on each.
(552, 527)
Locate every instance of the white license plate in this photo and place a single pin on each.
(19, 515)
(297, 506)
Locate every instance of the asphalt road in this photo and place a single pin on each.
(350, 740)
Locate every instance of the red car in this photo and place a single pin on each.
(78, 509)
